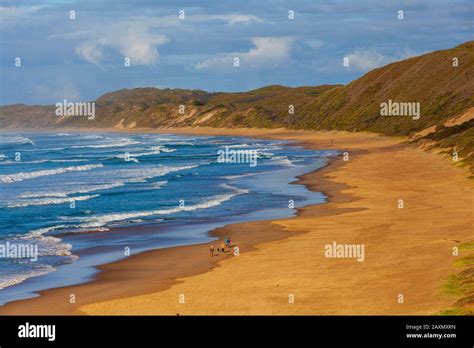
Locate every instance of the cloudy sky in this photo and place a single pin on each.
(194, 44)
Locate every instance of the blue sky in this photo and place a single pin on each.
(80, 59)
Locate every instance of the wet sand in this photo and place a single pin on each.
(282, 268)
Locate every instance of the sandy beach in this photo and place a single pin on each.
(282, 269)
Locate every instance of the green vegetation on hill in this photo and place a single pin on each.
(456, 138)
(460, 286)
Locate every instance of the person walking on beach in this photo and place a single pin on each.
(227, 242)
(212, 250)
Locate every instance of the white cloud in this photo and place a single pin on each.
(139, 45)
(365, 60)
(133, 38)
(17, 16)
(136, 37)
(230, 18)
(90, 52)
(268, 52)
(17, 12)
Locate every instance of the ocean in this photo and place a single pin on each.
(85, 199)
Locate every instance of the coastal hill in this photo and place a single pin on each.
(445, 91)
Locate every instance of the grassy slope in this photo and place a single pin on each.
(442, 90)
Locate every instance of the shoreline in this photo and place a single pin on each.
(160, 271)
(102, 277)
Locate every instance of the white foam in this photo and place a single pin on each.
(41, 231)
(262, 154)
(92, 136)
(48, 201)
(9, 178)
(271, 148)
(154, 150)
(18, 277)
(15, 140)
(124, 175)
(45, 161)
(142, 174)
(283, 160)
(103, 220)
(86, 189)
(180, 143)
(127, 158)
(177, 139)
(159, 184)
(49, 245)
(238, 145)
(61, 160)
(163, 139)
(240, 176)
(120, 143)
(237, 191)
(164, 149)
